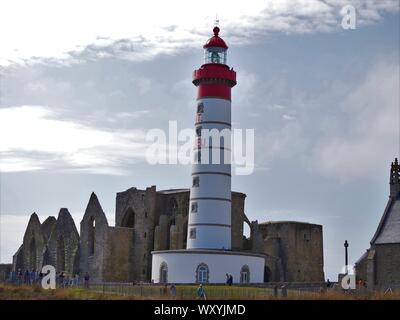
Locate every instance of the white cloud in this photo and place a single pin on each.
(33, 30)
(32, 138)
(288, 117)
(370, 137)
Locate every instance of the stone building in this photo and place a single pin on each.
(149, 220)
(379, 266)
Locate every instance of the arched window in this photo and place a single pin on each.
(91, 235)
(172, 207)
(202, 273)
(163, 273)
(61, 254)
(245, 274)
(128, 221)
(32, 254)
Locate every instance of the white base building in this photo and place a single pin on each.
(206, 266)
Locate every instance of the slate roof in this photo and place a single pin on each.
(389, 227)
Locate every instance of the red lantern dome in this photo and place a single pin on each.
(215, 41)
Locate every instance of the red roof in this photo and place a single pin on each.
(215, 41)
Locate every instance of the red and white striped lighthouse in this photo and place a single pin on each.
(210, 193)
(208, 256)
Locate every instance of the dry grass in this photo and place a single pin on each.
(183, 292)
(37, 293)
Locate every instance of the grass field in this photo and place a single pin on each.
(183, 292)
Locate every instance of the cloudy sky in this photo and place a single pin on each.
(81, 82)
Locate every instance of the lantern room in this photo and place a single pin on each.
(215, 49)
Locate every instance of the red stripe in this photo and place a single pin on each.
(219, 90)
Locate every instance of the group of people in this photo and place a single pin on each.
(34, 277)
(26, 277)
(65, 280)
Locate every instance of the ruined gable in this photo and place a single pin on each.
(33, 245)
(93, 237)
(63, 244)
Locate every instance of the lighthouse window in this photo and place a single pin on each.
(192, 233)
(200, 107)
(245, 274)
(194, 207)
(196, 182)
(163, 273)
(197, 156)
(198, 131)
(202, 273)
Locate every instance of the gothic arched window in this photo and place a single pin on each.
(91, 235)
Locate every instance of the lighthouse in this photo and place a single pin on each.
(210, 194)
(209, 256)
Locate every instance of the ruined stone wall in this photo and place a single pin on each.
(361, 268)
(5, 270)
(93, 240)
(136, 209)
(62, 250)
(237, 220)
(117, 255)
(300, 248)
(33, 245)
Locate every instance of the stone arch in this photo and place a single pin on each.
(163, 272)
(128, 220)
(32, 254)
(172, 211)
(91, 235)
(61, 265)
(245, 274)
(202, 273)
(267, 274)
(46, 257)
(75, 267)
(172, 208)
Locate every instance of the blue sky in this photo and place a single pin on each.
(78, 95)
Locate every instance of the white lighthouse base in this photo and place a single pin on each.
(206, 266)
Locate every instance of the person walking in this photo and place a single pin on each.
(76, 280)
(230, 280)
(275, 291)
(201, 292)
(61, 279)
(26, 277)
(20, 276)
(284, 291)
(87, 278)
(172, 290)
